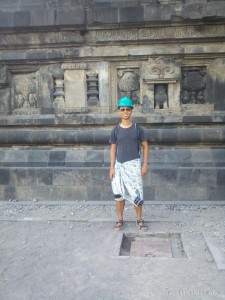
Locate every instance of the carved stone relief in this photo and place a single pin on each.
(161, 96)
(193, 86)
(160, 84)
(129, 84)
(160, 68)
(24, 93)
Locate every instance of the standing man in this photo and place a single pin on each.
(126, 170)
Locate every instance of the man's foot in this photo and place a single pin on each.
(119, 225)
(141, 225)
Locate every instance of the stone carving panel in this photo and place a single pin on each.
(160, 84)
(24, 92)
(193, 86)
(129, 84)
(160, 68)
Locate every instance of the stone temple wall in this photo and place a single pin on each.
(63, 66)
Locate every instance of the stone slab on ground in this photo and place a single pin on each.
(70, 251)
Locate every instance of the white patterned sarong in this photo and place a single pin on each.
(127, 183)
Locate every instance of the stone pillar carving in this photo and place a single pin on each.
(160, 84)
(59, 99)
(92, 89)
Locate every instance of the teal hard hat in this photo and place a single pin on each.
(125, 101)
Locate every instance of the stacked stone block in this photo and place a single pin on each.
(54, 136)
(76, 174)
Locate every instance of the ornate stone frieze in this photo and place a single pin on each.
(40, 38)
(117, 35)
(182, 32)
(166, 32)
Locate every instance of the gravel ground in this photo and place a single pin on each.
(209, 219)
(53, 250)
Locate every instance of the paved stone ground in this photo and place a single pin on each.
(70, 251)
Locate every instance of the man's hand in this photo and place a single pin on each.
(144, 170)
(111, 173)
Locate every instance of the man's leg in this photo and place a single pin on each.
(138, 212)
(140, 223)
(120, 208)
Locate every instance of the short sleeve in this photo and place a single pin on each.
(112, 139)
(143, 134)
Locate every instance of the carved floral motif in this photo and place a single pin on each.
(159, 68)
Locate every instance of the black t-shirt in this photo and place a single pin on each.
(127, 141)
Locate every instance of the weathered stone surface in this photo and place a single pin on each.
(6, 19)
(70, 16)
(58, 57)
(57, 158)
(56, 175)
(104, 15)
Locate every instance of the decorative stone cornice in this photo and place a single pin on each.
(162, 33)
(104, 36)
(35, 39)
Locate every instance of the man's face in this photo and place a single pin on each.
(125, 112)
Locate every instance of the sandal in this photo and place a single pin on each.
(141, 225)
(119, 225)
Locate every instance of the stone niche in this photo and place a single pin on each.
(160, 84)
